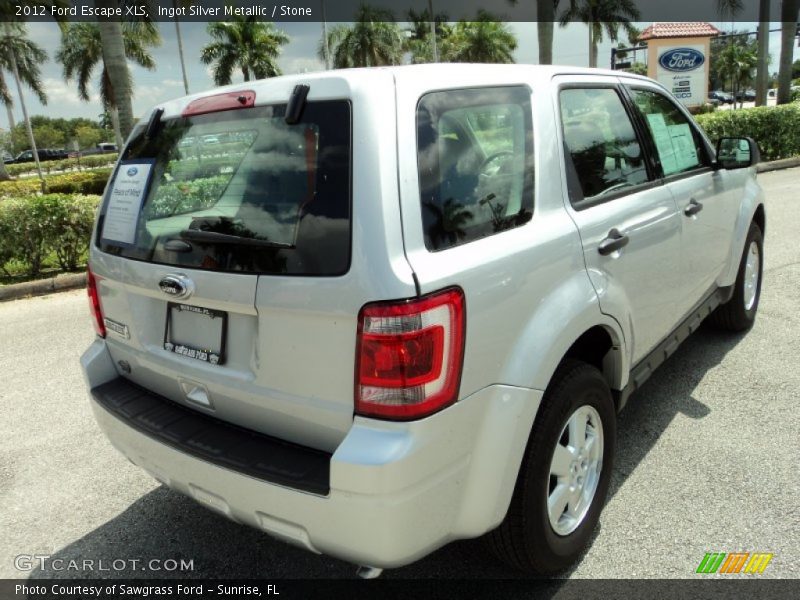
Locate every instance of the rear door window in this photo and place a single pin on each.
(240, 190)
(475, 160)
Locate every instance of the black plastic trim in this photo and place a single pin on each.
(215, 441)
(644, 368)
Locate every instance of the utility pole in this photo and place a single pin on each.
(762, 70)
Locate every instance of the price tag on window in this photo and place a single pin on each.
(125, 201)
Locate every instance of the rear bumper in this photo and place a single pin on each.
(397, 491)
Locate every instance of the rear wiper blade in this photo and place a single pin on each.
(198, 235)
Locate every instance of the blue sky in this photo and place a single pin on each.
(152, 87)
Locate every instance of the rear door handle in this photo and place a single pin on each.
(613, 242)
(692, 208)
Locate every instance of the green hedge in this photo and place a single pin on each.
(775, 128)
(33, 227)
(87, 162)
(80, 182)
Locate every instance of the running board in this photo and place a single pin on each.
(645, 367)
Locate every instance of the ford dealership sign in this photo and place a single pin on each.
(681, 59)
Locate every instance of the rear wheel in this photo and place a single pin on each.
(563, 481)
(739, 313)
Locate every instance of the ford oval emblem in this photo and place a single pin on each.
(681, 59)
(176, 286)
(132, 171)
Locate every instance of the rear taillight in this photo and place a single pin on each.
(94, 304)
(409, 355)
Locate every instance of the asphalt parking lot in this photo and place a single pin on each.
(707, 457)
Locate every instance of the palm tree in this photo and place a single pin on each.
(601, 15)
(82, 49)
(737, 62)
(373, 40)
(28, 58)
(483, 40)
(420, 42)
(789, 14)
(247, 44)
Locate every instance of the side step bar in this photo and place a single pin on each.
(645, 367)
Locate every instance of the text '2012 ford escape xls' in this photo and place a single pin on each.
(372, 311)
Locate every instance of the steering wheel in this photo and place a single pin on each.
(493, 157)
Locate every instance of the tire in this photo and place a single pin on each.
(739, 313)
(527, 539)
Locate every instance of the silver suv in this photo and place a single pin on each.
(390, 308)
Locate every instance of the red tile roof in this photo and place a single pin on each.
(672, 30)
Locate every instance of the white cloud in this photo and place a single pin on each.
(60, 92)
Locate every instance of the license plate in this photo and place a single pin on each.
(196, 332)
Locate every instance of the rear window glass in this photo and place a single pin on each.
(237, 190)
(475, 159)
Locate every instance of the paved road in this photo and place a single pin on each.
(707, 458)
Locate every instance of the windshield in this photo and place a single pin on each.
(238, 190)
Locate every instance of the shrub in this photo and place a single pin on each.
(33, 226)
(87, 162)
(83, 182)
(773, 127)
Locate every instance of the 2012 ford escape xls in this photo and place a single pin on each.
(373, 311)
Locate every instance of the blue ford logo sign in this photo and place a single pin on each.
(681, 59)
(132, 171)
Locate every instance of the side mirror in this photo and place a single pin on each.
(737, 153)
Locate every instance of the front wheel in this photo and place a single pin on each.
(739, 313)
(563, 481)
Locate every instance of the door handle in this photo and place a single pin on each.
(692, 208)
(613, 242)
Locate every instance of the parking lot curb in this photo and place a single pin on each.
(59, 283)
(784, 163)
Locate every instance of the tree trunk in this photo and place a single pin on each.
(4, 176)
(592, 47)
(180, 50)
(788, 29)
(9, 110)
(763, 53)
(117, 68)
(114, 114)
(545, 15)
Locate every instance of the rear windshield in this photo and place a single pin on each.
(238, 190)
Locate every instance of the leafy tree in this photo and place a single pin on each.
(601, 16)
(82, 50)
(374, 39)
(88, 137)
(245, 43)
